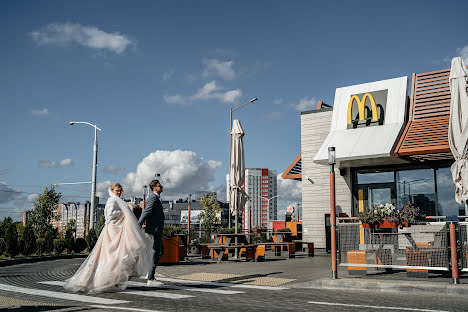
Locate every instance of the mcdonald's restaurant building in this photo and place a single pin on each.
(391, 141)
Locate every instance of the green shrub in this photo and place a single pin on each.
(80, 245)
(11, 240)
(2, 246)
(59, 245)
(41, 246)
(227, 231)
(171, 231)
(49, 237)
(29, 240)
(69, 240)
(91, 239)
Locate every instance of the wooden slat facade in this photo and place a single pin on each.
(294, 171)
(425, 136)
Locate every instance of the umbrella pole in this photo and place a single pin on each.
(236, 213)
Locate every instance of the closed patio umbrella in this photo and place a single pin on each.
(458, 128)
(237, 196)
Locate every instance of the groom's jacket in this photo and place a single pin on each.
(153, 215)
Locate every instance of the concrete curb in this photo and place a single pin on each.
(4, 263)
(407, 287)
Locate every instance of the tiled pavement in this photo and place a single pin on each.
(198, 285)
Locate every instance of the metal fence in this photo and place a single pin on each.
(418, 247)
(463, 243)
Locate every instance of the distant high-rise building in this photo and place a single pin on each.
(261, 187)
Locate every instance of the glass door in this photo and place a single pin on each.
(367, 195)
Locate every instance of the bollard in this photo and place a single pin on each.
(453, 251)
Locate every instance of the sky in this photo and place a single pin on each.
(159, 77)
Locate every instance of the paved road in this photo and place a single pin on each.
(37, 287)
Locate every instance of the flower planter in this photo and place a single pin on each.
(384, 225)
(171, 250)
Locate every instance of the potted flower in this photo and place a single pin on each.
(405, 215)
(387, 216)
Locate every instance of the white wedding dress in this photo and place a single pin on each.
(122, 250)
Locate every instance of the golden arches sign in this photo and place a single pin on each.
(361, 107)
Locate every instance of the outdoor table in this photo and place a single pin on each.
(224, 242)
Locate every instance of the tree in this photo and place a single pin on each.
(91, 239)
(100, 225)
(29, 240)
(11, 240)
(42, 214)
(69, 240)
(71, 225)
(208, 215)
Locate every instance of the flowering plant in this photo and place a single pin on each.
(407, 213)
(374, 217)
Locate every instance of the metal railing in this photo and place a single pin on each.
(422, 246)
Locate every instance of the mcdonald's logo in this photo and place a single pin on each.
(362, 107)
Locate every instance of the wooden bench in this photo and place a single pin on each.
(221, 251)
(310, 246)
(277, 247)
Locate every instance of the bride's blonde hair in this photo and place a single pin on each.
(115, 185)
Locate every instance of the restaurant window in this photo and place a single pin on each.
(446, 196)
(417, 186)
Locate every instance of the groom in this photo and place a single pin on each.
(154, 217)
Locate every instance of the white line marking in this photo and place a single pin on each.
(176, 287)
(122, 308)
(373, 307)
(190, 282)
(155, 294)
(60, 295)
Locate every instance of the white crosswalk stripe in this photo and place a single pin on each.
(148, 293)
(190, 282)
(176, 287)
(60, 295)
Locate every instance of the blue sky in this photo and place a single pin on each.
(159, 78)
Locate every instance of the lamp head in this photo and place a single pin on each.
(253, 100)
(72, 123)
(331, 155)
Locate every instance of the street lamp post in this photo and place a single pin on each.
(331, 162)
(231, 110)
(93, 181)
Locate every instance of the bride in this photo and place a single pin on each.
(122, 250)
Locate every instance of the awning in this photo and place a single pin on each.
(425, 137)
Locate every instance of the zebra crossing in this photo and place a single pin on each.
(172, 289)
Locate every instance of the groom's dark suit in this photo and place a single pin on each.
(154, 217)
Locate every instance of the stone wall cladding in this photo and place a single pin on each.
(316, 196)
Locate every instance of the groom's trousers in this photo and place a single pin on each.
(158, 251)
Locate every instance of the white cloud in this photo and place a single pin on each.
(67, 162)
(463, 52)
(31, 198)
(289, 190)
(175, 99)
(3, 171)
(210, 91)
(306, 104)
(112, 169)
(87, 36)
(182, 172)
(214, 67)
(7, 193)
(40, 112)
